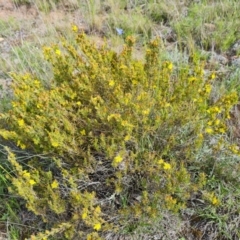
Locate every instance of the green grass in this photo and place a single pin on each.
(211, 25)
(207, 25)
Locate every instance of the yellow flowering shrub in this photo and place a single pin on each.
(114, 127)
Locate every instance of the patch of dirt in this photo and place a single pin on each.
(9, 10)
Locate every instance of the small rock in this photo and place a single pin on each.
(220, 59)
(236, 46)
(236, 62)
(234, 49)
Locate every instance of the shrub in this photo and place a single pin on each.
(112, 139)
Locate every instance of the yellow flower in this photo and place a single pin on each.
(170, 66)
(146, 112)
(216, 110)
(111, 83)
(32, 182)
(26, 174)
(167, 166)
(118, 159)
(160, 161)
(83, 132)
(97, 226)
(166, 104)
(118, 189)
(127, 138)
(191, 79)
(55, 143)
(22, 146)
(58, 52)
(213, 76)
(39, 105)
(208, 88)
(14, 104)
(84, 215)
(122, 67)
(217, 121)
(209, 130)
(200, 135)
(36, 83)
(215, 201)
(54, 184)
(209, 123)
(97, 210)
(221, 130)
(74, 28)
(20, 122)
(234, 149)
